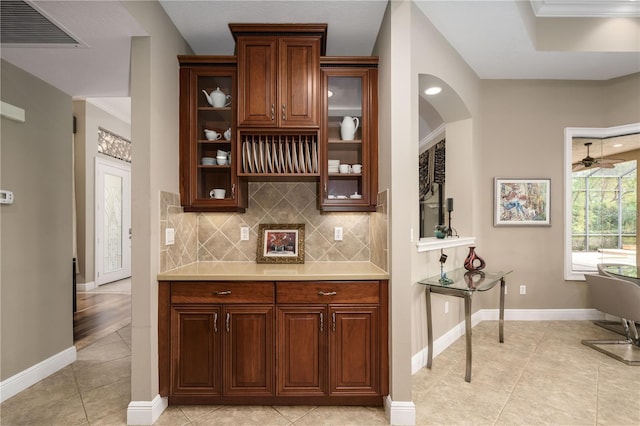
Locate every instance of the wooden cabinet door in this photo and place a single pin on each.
(249, 348)
(299, 81)
(200, 170)
(279, 80)
(353, 86)
(257, 77)
(353, 350)
(195, 351)
(301, 350)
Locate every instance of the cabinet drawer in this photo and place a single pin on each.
(328, 292)
(222, 292)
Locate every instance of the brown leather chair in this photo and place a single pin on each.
(621, 299)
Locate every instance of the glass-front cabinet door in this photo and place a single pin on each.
(207, 140)
(349, 178)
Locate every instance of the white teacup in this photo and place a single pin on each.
(356, 168)
(222, 160)
(227, 134)
(212, 135)
(345, 168)
(217, 193)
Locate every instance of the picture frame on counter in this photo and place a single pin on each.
(521, 202)
(280, 243)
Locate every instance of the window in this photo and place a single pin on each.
(600, 197)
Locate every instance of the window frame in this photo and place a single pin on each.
(569, 134)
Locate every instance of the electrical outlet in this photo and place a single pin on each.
(169, 237)
(523, 289)
(337, 233)
(446, 307)
(244, 233)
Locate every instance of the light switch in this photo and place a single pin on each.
(169, 237)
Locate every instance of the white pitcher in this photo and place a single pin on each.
(348, 127)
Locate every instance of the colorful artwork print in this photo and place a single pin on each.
(522, 202)
(280, 243)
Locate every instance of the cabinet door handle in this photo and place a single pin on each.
(221, 293)
(333, 322)
(233, 191)
(273, 112)
(284, 112)
(321, 321)
(327, 293)
(227, 322)
(215, 322)
(325, 189)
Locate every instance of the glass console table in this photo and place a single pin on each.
(625, 272)
(464, 284)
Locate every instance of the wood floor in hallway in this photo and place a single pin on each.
(100, 312)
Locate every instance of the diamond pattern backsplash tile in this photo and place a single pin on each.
(216, 236)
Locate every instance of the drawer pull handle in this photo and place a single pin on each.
(215, 322)
(221, 293)
(327, 293)
(321, 322)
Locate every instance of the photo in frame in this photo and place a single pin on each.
(521, 202)
(280, 243)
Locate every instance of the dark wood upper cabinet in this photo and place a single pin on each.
(279, 74)
(285, 103)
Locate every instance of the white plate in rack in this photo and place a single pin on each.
(267, 150)
(307, 151)
(301, 160)
(261, 151)
(249, 158)
(256, 160)
(315, 157)
(274, 157)
(294, 157)
(283, 163)
(244, 157)
(288, 155)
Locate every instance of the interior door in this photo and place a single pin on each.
(113, 221)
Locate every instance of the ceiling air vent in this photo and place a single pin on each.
(21, 24)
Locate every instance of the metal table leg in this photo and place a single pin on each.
(429, 328)
(501, 326)
(467, 326)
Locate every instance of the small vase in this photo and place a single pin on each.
(473, 262)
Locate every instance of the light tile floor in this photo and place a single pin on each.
(541, 375)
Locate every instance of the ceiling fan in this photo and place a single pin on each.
(590, 162)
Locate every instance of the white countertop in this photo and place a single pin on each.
(251, 271)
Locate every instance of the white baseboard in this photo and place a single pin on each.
(146, 412)
(400, 412)
(419, 360)
(32, 375)
(91, 285)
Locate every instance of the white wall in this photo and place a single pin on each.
(154, 132)
(35, 235)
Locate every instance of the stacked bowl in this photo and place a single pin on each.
(208, 161)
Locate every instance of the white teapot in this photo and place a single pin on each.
(217, 98)
(348, 127)
(227, 134)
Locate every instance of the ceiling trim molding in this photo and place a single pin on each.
(586, 9)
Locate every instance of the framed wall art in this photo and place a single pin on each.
(280, 243)
(521, 202)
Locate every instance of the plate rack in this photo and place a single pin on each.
(279, 155)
